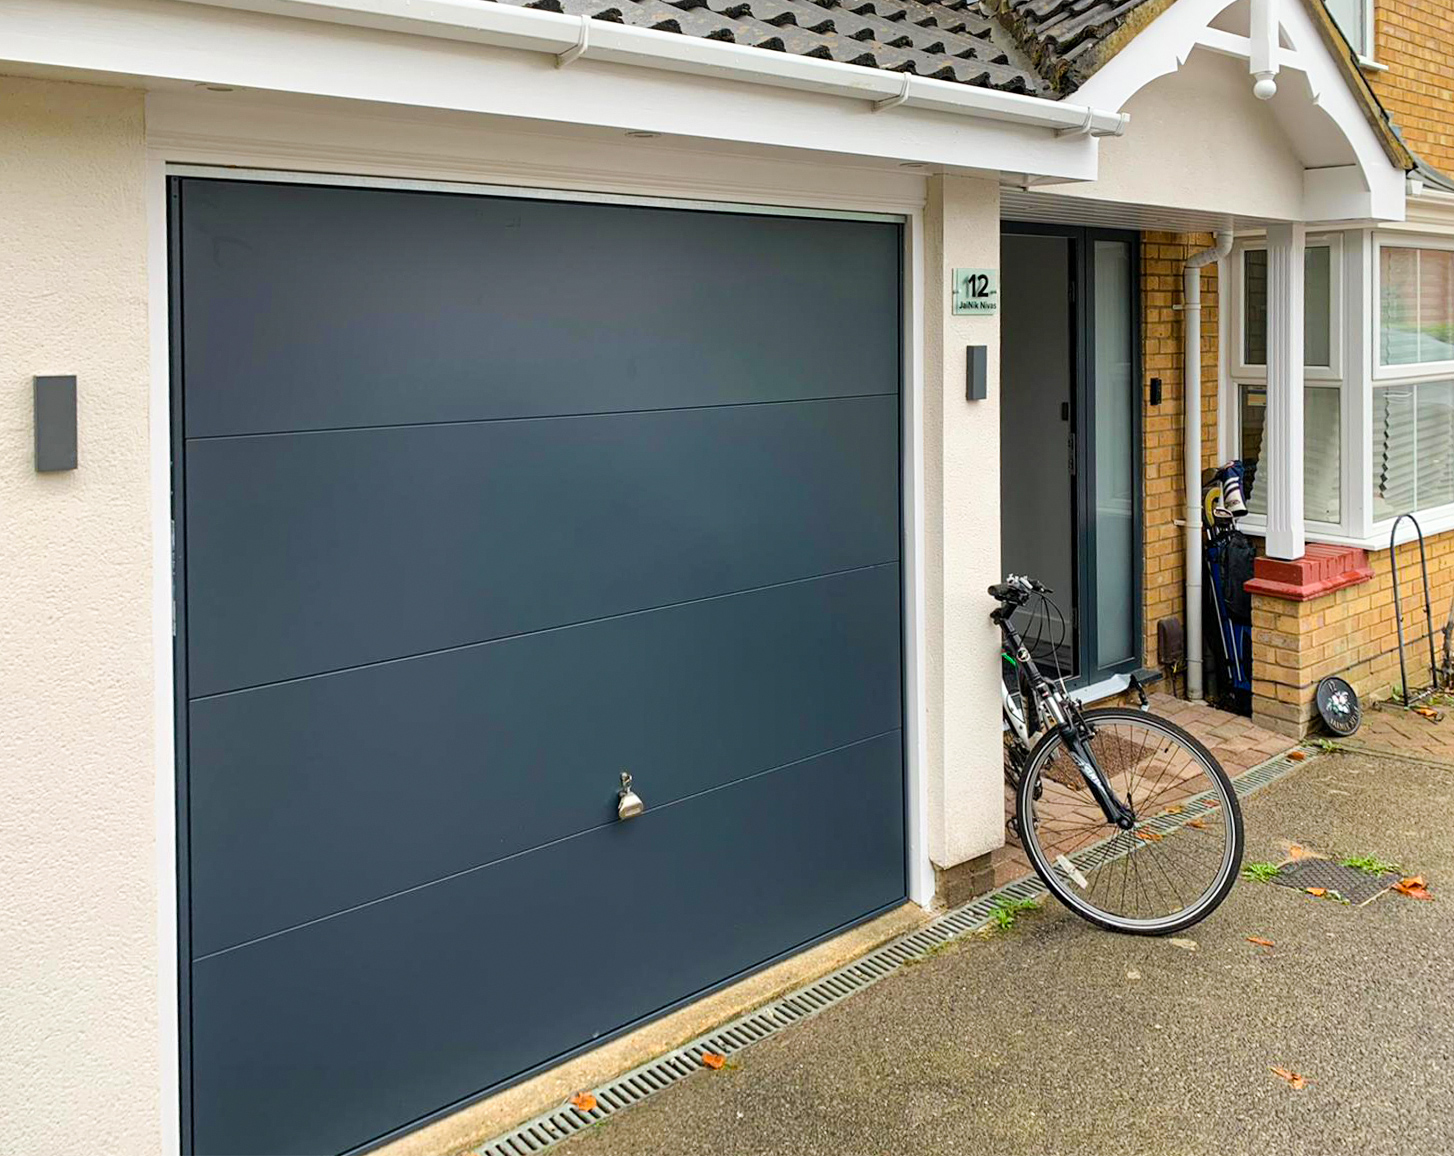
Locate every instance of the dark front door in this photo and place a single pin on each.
(1070, 511)
(481, 502)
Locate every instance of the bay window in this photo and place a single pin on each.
(1322, 437)
(1413, 448)
(1322, 384)
(1378, 381)
(1413, 388)
(1416, 306)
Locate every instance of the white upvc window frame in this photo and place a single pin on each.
(1432, 519)
(1414, 371)
(1366, 54)
(1342, 314)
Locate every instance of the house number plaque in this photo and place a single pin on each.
(976, 291)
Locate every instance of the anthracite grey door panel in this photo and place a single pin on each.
(379, 307)
(327, 550)
(362, 1022)
(482, 501)
(300, 791)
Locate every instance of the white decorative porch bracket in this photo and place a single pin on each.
(1281, 468)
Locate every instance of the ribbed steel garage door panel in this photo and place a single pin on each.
(362, 1022)
(399, 307)
(314, 552)
(484, 501)
(310, 796)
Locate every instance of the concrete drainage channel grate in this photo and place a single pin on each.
(550, 1128)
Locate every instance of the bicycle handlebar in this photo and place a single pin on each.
(1015, 588)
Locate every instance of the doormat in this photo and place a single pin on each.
(1347, 883)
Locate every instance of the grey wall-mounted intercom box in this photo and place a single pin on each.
(976, 372)
(55, 424)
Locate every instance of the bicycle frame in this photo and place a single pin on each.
(1054, 705)
(1014, 716)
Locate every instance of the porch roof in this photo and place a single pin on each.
(1069, 41)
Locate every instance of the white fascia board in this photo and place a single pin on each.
(495, 59)
(1432, 211)
(510, 27)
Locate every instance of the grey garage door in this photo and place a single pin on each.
(480, 502)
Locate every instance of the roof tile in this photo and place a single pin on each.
(950, 41)
(1059, 36)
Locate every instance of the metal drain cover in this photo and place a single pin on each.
(1356, 886)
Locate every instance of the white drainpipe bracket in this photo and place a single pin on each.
(571, 55)
(895, 101)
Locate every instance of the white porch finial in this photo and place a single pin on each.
(1264, 43)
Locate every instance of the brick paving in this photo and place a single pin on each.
(1391, 730)
(1236, 742)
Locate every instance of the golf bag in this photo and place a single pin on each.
(1228, 557)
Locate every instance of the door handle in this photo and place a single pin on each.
(628, 802)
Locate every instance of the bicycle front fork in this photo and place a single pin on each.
(1114, 809)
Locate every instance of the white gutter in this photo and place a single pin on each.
(1192, 450)
(574, 38)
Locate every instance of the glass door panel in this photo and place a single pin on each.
(1112, 420)
(1037, 394)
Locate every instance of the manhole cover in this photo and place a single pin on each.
(1356, 886)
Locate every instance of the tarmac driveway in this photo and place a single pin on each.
(1055, 1038)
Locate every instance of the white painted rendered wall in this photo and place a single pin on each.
(966, 815)
(79, 1036)
(87, 1004)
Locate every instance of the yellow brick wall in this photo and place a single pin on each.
(1351, 632)
(1163, 256)
(1415, 38)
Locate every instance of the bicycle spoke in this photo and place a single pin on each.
(1160, 869)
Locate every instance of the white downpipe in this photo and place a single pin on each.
(1192, 450)
(565, 37)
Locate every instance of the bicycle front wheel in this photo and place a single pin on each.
(1179, 859)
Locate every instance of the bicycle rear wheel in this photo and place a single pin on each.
(1169, 870)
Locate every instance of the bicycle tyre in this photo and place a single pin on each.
(1122, 847)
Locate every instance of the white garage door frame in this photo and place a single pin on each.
(191, 136)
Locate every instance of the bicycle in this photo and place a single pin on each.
(1128, 819)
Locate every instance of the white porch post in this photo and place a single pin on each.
(1282, 457)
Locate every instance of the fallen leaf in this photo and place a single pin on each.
(1297, 756)
(1414, 887)
(583, 1102)
(1426, 712)
(1176, 809)
(713, 1060)
(1297, 851)
(1294, 1081)
(1197, 823)
(1318, 891)
(1260, 942)
(1147, 833)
